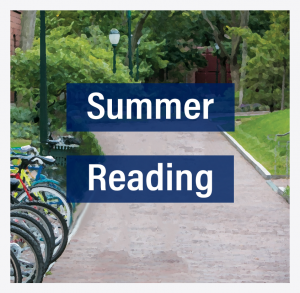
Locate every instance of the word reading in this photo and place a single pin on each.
(117, 176)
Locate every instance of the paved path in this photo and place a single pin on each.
(247, 241)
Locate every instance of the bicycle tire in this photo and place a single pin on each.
(64, 228)
(42, 238)
(16, 268)
(26, 230)
(38, 272)
(44, 188)
(24, 208)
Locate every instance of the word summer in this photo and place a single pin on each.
(137, 181)
(191, 108)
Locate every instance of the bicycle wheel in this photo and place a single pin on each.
(38, 232)
(61, 191)
(59, 226)
(15, 270)
(29, 255)
(51, 196)
(40, 217)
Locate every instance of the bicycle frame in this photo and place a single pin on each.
(17, 176)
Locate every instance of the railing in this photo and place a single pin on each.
(61, 151)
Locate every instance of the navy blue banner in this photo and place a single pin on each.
(152, 179)
(150, 107)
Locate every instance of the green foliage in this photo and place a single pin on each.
(150, 52)
(252, 135)
(286, 194)
(266, 57)
(90, 145)
(70, 59)
(259, 22)
(183, 31)
(20, 114)
(24, 130)
(82, 20)
(96, 26)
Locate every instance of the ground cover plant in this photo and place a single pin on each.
(252, 135)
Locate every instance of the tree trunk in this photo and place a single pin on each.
(27, 36)
(223, 68)
(27, 30)
(283, 84)
(235, 75)
(136, 35)
(243, 73)
(161, 75)
(244, 23)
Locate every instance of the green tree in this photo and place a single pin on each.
(97, 25)
(268, 61)
(183, 32)
(259, 22)
(70, 59)
(234, 19)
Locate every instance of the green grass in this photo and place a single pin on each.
(252, 135)
(15, 143)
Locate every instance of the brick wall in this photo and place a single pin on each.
(15, 36)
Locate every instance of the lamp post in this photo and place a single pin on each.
(129, 43)
(114, 37)
(137, 60)
(217, 72)
(43, 86)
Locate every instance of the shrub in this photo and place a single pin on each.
(264, 108)
(245, 108)
(238, 109)
(255, 107)
(20, 114)
(24, 130)
(286, 194)
(89, 145)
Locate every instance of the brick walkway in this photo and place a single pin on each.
(247, 241)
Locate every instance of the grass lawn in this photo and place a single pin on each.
(15, 143)
(252, 135)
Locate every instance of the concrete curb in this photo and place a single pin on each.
(253, 113)
(258, 167)
(278, 190)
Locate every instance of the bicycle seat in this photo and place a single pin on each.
(14, 183)
(47, 160)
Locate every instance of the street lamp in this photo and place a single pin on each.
(129, 42)
(43, 85)
(137, 60)
(114, 37)
(217, 72)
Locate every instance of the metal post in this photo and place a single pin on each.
(129, 43)
(137, 63)
(43, 84)
(217, 72)
(114, 59)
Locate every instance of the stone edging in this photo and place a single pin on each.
(252, 113)
(258, 167)
(279, 190)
